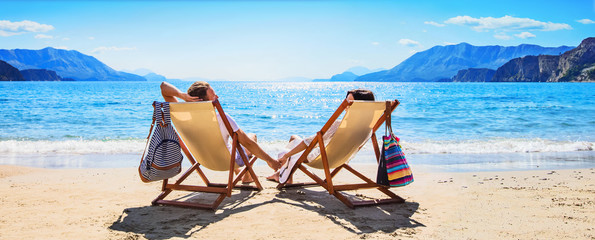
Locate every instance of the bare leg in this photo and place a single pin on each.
(247, 178)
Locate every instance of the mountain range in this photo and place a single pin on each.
(576, 65)
(460, 63)
(444, 62)
(349, 75)
(69, 64)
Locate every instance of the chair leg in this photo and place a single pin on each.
(338, 189)
(218, 188)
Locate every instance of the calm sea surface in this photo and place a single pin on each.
(467, 125)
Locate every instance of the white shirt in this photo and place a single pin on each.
(226, 135)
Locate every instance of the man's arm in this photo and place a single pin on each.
(255, 149)
(170, 93)
(300, 147)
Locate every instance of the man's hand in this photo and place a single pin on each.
(275, 165)
(186, 97)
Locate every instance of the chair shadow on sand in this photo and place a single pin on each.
(361, 220)
(164, 222)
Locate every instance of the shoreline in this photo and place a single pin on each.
(112, 203)
(470, 162)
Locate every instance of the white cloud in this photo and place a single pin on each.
(434, 23)
(375, 43)
(42, 36)
(502, 36)
(91, 38)
(506, 23)
(586, 21)
(409, 42)
(112, 49)
(62, 47)
(449, 43)
(8, 28)
(8, 34)
(65, 39)
(525, 35)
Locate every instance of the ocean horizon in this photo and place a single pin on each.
(449, 126)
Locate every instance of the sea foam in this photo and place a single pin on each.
(503, 145)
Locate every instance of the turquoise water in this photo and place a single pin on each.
(436, 121)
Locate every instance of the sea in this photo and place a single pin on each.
(442, 126)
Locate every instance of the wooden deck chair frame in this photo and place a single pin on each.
(327, 183)
(223, 189)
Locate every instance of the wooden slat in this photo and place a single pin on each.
(329, 179)
(185, 204)
(346, 187)
(232, 161)
(376, 148)
(192, 188)
(337, 169)
(376, 202)
(343, 199)
(300, 184)
(223, 185)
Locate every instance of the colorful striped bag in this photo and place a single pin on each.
(393, 169)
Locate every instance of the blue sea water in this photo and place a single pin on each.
(450, 125)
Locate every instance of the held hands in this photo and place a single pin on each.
(275, 165)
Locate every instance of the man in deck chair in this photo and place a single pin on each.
(202, 91)
(297, 144)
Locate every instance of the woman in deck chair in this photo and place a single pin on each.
(297, 144)
(202, 91)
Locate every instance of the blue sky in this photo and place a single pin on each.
(270, 40)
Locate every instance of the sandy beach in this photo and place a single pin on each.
(114, 204)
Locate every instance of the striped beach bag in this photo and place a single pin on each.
(393, 169)
(162, 157)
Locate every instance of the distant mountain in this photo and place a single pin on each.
(9, 73)
(342, 77)
(349, 75)
(40, 75)
(155, 77)
(345, 76)
(150, 75)
(576, 65)
(445, 61)
(66, 63)
(474, 75)
(359, 70)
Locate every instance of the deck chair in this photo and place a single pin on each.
(360, 122)
(202, 143)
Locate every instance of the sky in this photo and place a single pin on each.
(272, 40)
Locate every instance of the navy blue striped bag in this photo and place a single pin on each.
(162, 158)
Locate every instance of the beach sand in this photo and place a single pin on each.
(114, 204)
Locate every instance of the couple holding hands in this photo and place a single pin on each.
(202, 91)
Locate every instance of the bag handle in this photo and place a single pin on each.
(388, 121)
(165, 114)
(156, 111)
(161, 113)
